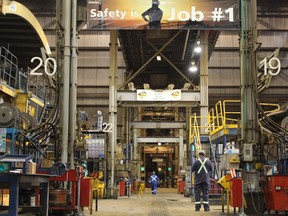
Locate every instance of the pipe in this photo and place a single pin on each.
(185, 44)
(112, 102)
(73, 84)
(66, 5)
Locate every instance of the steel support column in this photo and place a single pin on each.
(181, 148)
(249, 118)
(204, 80)
(113, 106)
(73, 84)
(66, 10)
(188, 114)
(135, 144)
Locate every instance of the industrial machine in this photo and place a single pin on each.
(10, 116)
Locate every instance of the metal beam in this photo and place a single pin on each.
(158, 139)
(159, 104)
(153, 57)
(166, 59)
(13, 7)
(186, 96)
(162, 125)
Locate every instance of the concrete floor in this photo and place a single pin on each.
(167, 202)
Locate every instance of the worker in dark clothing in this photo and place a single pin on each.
(154, 15)
(154, 182)
(202, 167)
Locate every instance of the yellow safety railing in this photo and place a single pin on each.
(270, 108)
(227, 114)
(230, 115)
(196, 129)
(224, 116)
(194, 133)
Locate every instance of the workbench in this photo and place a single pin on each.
(13, 181)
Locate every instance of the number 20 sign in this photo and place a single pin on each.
(48, 61)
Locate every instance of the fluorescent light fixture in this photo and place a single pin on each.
(158, 58)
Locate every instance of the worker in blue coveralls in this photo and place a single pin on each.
(154, 182)
(202, 168)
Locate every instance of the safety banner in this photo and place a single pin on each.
(163, 14)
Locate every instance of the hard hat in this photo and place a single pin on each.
(202, 152)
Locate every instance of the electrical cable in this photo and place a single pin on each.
(35, 146)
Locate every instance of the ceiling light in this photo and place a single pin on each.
(170, 86)
(197, 48)
(158, 58)
(193, 67)
(159, 144)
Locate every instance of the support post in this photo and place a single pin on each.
(188, 114)
(73, 84)
(249, 120)
(204, 81)
(66, 14)
(181, 148)
(113, 105)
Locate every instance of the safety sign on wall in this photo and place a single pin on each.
(164, 14)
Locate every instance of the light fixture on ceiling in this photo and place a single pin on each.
(131, 86)
(186, 86)
(197, 48)
(159, 143)
(158, 57)
(170, 86)
(146, 86)
(193, 67)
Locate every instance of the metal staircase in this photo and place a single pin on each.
(46, 112)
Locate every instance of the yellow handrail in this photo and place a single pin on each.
(196, 129)
(221, 118)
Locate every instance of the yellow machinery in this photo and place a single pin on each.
(225, 184)
(97, 185)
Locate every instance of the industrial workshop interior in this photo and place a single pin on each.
(100, 99)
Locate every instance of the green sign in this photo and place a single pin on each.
(142, 168)
(169, 169)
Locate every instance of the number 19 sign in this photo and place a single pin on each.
(271, 65)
